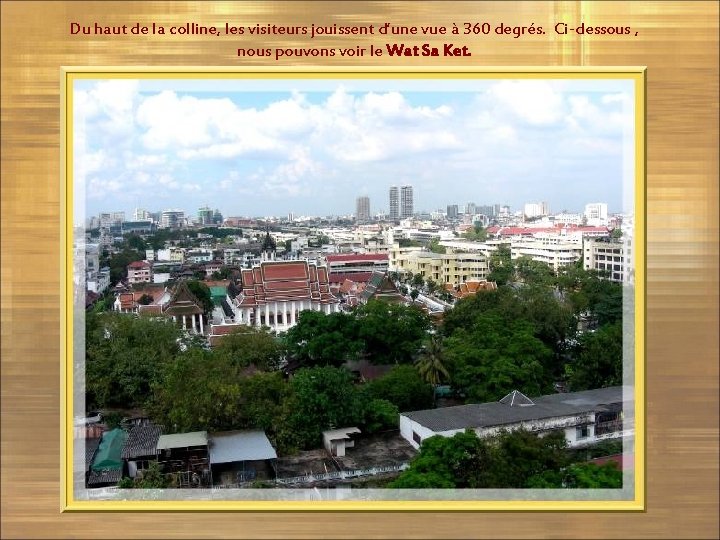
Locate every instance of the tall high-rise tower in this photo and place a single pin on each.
(394, 203)
(362, 211)
(406, 201)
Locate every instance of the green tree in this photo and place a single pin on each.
(151, 478)
(414, 294)
(444, 462)
(118, 263)
(432, 286)
(403, 387)
(379, 414)
(202, 293)
(252, 347)
(477, 234)
(431, 362)
(198, 391)
(509, 460)
(599, 363)
(322, 398)
(135, 242)
(495, 357)
(501, 266)
(528, 270)
(579, 476)
(391, 333)
(323, 340)
(125, 355)
(435, 247)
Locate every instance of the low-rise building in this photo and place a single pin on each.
(553, 253)
(585, 417)
(610, 257)
(139, 272)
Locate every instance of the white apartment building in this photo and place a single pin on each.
(551, 251)
(533, 210)
(596, 214)
(613, 257)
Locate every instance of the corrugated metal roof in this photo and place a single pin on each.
(230, 446)
(182, 440)
(496, 414)
(141, 441)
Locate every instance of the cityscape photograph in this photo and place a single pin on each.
(363, 287)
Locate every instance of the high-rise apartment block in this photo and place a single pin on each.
(362, 209)
(172, 218)
(452, 211)
(596, 214)
(406, 202)
(533, 210)
(394, 203)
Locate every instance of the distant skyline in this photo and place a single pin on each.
(312, 147)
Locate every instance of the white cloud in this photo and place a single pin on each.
(534, 102)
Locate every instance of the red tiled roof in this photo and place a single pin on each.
(139, 264)
(346, 257)
(357, 277)
(623, 461)
(224, 329)
(285, 270)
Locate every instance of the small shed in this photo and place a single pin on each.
(241, 456)
(187, 454)
(337, 440)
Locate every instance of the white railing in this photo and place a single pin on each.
(341, 475)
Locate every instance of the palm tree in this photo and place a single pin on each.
(431, 364)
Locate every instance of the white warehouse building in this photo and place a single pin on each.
(585, 417)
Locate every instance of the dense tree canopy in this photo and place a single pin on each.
(496, 356)
(324, 340)
(125, 355)
(322, 398)
(391, 333)
(403, 387)
(252, 347)
(510, 460)
(599, 363)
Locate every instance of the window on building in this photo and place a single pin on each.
(582, 432)
(417, 438)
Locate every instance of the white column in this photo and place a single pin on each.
(292, 313)
(202, 330)
(257, 316)
(267, 314)
(183, 322)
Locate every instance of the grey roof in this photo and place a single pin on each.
(182, 440)
(517, 399)
(107, 476)
(230, 446)
(478, 415)
(91, 445)
(141, 441)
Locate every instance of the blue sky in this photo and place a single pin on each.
(270, 147)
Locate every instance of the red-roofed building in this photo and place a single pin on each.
(275, 292)
(348, 265)
(470, 288)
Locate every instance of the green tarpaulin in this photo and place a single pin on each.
(109, 451)
(218, 294)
